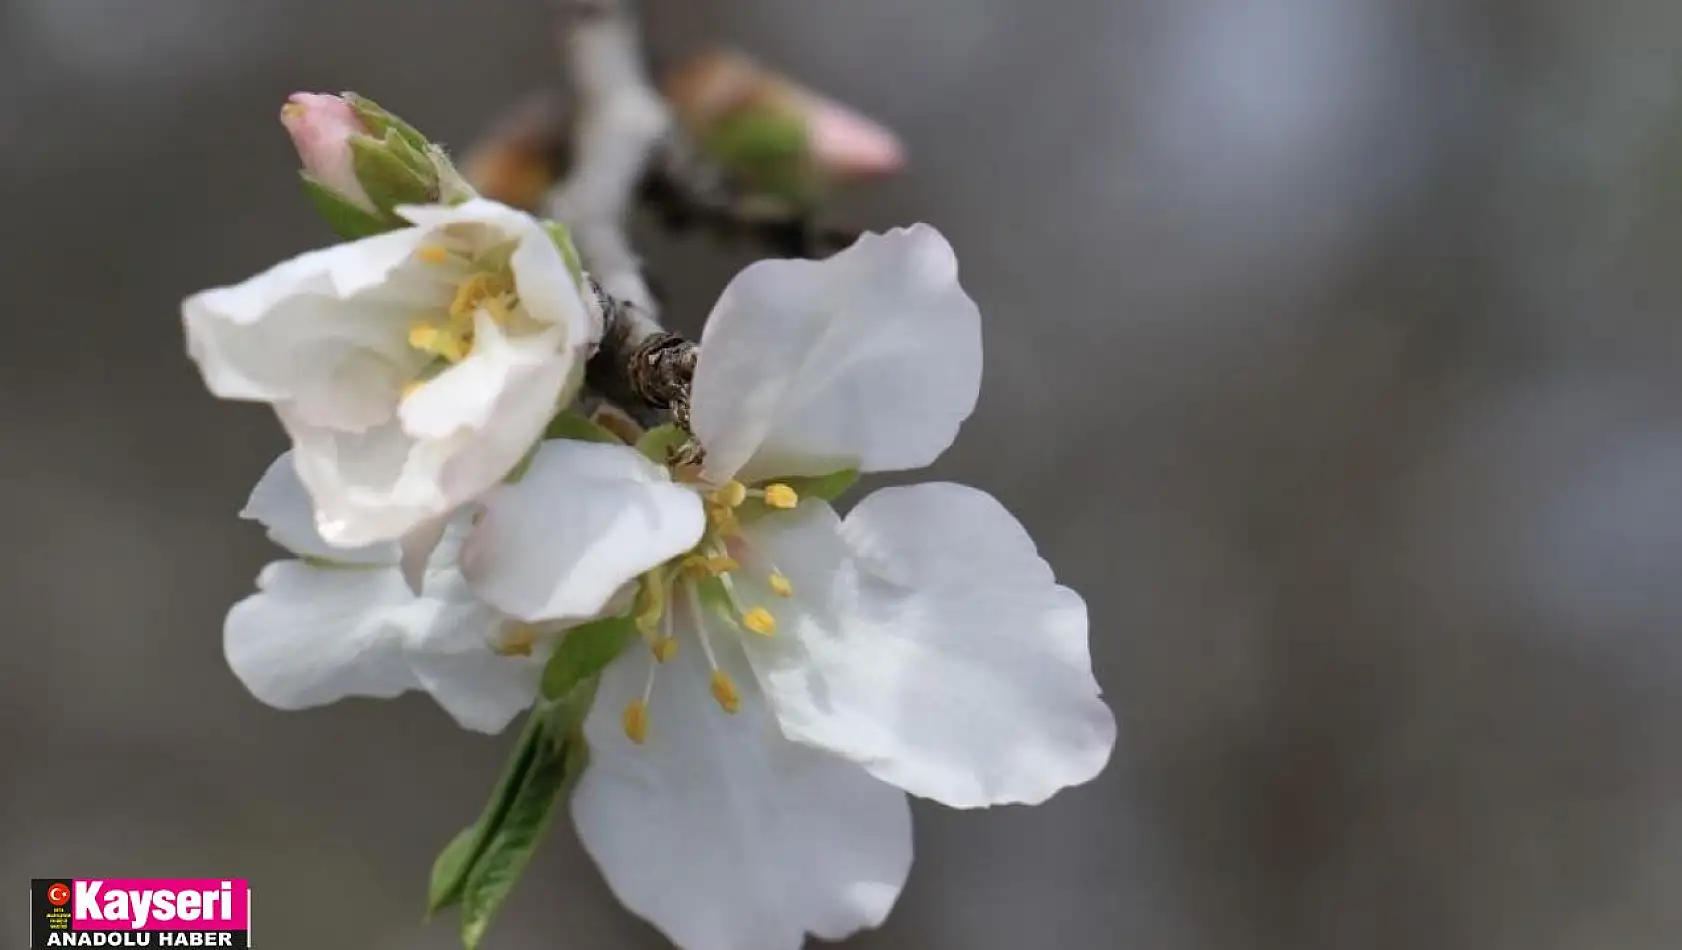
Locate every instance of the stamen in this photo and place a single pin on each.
(731, 494)
(779, 495)
(780, 584)
(429, 338)
(650, 605)
(724, 691)
(635, 721)
(516, 641)
(664, 648)
(432, 254)
(723, 520)
(709, 565)
(412, 386)
(760, 621)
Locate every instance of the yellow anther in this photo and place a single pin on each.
(760, 621)
(722, 519)
(432, 254)
(412, 386)
(780, 584)
(429, 338)
(711, 565)
(518, 641)
(291, 110)
(779, 495)
(725, 692)
(635, 721)
(497, 308)
(664, 648)
(731, 494)
(473, 292)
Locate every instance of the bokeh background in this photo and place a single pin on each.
(1333, 351)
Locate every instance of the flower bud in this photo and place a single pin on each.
(776, 135)
(321, 127)
(361, 163)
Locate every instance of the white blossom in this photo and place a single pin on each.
(920, 644)
(339, 622)
(412, 369)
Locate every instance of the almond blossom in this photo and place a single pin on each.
(801, 671)
(412, 369)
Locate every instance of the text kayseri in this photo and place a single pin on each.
(137, 907)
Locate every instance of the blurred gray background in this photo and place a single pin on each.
(1333, 352)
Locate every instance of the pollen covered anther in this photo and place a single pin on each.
(664, 648)
(780, 584)
(518, 641)
(731, 494)
(724, 691)
(778, 495)
(760, 621)
(432, 254)
(635, 721)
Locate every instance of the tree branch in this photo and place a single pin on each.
(619, 119)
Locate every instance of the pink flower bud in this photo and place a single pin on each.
(321, 127)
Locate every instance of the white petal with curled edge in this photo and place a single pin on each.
(283, 507)
(869, 359)
(371, 486)
(583, 521)
(722, 833)
(312, 636)
(325, 331)
(928, 642)
(452, 656)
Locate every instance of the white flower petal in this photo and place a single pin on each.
(282, 506)
(370, 486)
(452, 658)
(312, 636)
(928, 642)
(584, 520)
(322, 331)
(871, 358)
(722, 833)
(416, 548)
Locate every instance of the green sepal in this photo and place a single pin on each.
(571, 424)
(658, 443)
(386, 174)
(347, 219)
(559, 234)
(584, 652)
(379, 122)
(770, 152)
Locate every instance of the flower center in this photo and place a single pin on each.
(481, 283)
(706, 583)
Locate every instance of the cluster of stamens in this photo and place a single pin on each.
(706, 578)
(448, 337)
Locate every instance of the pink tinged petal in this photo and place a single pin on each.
(871, 358)
(584, 520)
(847, 144)
(312, 636)
(928, 641)
(723, 834)
(283, 507)
(321, 127)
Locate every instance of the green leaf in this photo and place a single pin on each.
(345, 218)
(659, 442)
(827, 487)
(563, 242)
(508, 849)
(386, 176)
(454, 865)
(584, 652)
(571, 424)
